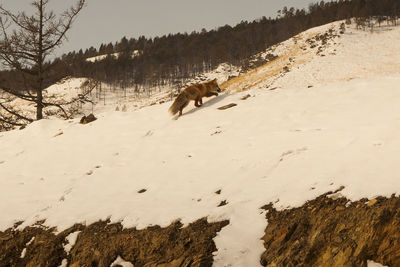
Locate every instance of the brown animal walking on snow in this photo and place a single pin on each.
(194, 92)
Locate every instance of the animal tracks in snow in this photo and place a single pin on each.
(20, 153)
(218, 130)
(292, 152)
(307, 130)
(283, 157)
(69, 190)
(66, 192)
(149, 133)
(90, 172)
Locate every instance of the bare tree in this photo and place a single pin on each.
(26, 42)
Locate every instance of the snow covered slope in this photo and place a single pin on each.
(323, 55)
(284, 146)
(62, 92)
(114, 55)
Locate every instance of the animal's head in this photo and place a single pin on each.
(215, 86)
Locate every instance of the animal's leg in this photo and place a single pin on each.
(182, 107)
(201, 101)
(196, 102)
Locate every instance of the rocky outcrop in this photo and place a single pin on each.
(332, 231)
(88, 119)
(101, 243)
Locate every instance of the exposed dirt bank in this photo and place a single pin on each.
(101, 243)
(332, 231)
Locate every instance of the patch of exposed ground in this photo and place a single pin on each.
(332, 231)
(101, 243)
(294, 52)
(265, 72)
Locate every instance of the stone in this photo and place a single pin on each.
(88, 119)
(227, 106)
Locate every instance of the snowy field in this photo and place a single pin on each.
(284, 146)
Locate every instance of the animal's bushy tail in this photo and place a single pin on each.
(179, 102)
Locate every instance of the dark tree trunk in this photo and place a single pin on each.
(39, 103)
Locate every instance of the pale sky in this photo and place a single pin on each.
(104, 21)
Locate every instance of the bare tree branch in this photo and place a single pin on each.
(69, 17)
(24, 50)
(28, 97)
(9, 121)
(58, 106)
(19, 116)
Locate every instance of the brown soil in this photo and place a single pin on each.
(101, 243)
(331, 231)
